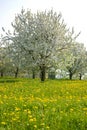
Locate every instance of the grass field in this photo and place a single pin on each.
(27, 104)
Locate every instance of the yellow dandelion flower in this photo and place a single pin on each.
(35, 126)
(31, 120)
(29, 112)
(21, 98)
(12, 113)
(45, 105)
(70, 97)
(25, 110)
(71, 109)
(14, 119)
(1, 102)
(5, 96)
(78, 100)
(36, 107)
(85, 109)
(61, 112)
(17, 109)
(24, 105)
(3, 123)
(34, 119)
(4, 113)
(42, 124)
(30, 116)
(47, 127)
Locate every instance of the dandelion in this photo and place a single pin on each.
(42, 124)
(45, 105)
(35, 126)
(24, 105)
(29, 112)
(25, 110)
(5, 96)
(47, 127)
(36, 107)
(17, 109)
(71, 109)
(30, 116)
(85, 109)
(14, 119)
(12, 113)
(70, 97)
(4, 113)
(34, 119)
(78, 100)
(3, 123)
(1, 102)
(61, 112)
(21, 98)
(31, 120)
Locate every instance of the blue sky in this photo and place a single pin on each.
(74, 12)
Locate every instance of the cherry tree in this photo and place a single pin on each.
(41, 37)
(75, 60)
(4, 60)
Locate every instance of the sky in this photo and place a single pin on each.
(74, 13)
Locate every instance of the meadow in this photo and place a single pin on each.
(27, 104)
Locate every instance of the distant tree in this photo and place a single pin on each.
(4, 60)
(75, 60)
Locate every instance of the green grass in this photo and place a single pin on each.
(27, 104)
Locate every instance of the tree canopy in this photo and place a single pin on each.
(39, 40)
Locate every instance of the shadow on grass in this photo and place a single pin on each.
(8, 80)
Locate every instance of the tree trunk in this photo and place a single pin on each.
(33, 74)
(16, 72)
(1, 73)
(43, 73)
(70, 75)
(80, 76)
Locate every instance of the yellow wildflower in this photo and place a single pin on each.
(31, 120)
(35, 126)
(3, 123)
(71, 109)
(85, 109)
(47, 127)
(17, 109)
(42, 124)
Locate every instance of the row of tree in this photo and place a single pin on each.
(39, 43)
